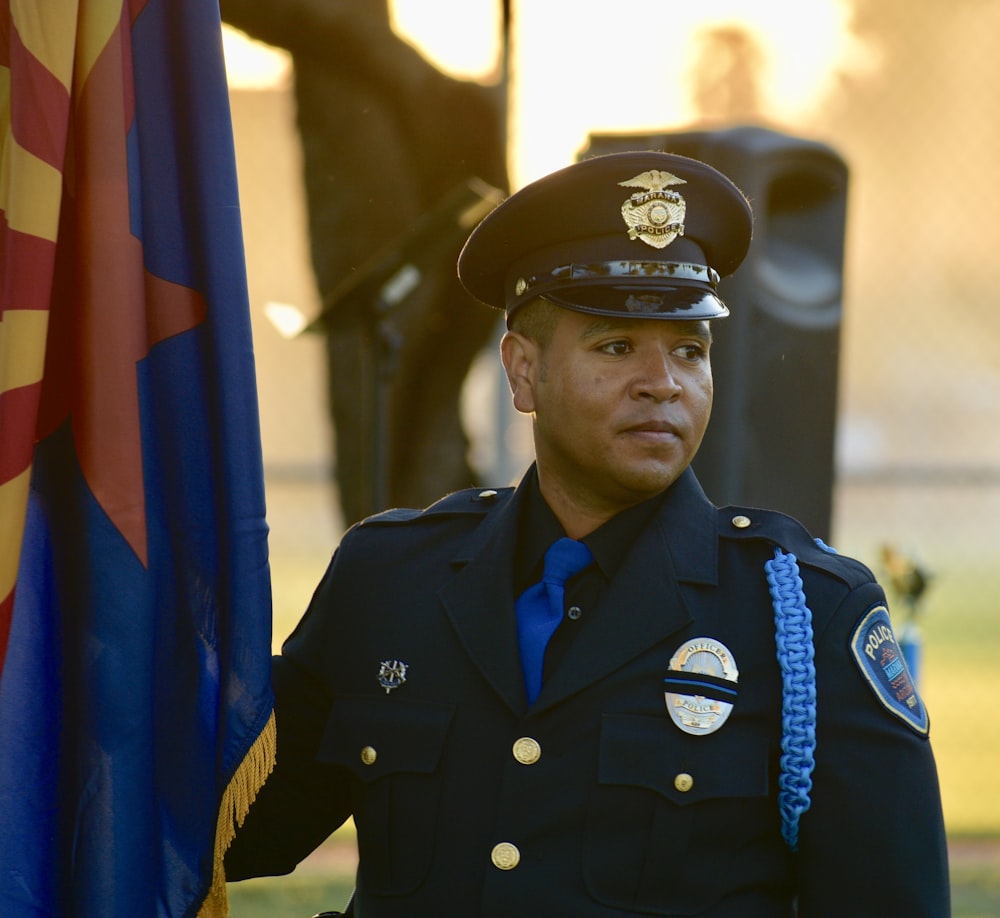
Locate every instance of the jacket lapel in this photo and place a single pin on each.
(479, 601)
(644, 603)
(642, 606)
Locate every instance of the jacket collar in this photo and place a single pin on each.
(689, 523)
(641, 607)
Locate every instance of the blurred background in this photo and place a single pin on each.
(354, 121)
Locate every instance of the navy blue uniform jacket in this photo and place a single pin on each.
(428, 772)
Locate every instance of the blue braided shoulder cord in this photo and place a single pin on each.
(794, 639)
(828, 549)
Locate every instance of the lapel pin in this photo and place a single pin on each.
(391, 674)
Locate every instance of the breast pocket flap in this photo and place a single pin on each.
(375, 736)
(642, 751)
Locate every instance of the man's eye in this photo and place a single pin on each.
(617, 348)
(691, 351)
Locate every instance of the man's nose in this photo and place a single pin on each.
(656, 378)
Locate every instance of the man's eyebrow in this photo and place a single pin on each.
(602, 327)
(701, 329)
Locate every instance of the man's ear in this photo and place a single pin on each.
(521, 357)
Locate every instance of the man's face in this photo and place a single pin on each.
(620, 405)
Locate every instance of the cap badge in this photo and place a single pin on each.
(700, 687)
(656, 215)
(391, 674)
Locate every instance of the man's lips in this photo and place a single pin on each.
(653, 428)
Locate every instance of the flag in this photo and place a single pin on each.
(136, 716)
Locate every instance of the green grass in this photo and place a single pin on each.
(975, 894)
(322, 882)
(960, 680)
(975, 875)
(288, 897)
(975, 879)
(975, 889)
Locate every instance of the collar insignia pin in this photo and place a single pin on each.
(655, 215)
(700, 687)
(391, 674)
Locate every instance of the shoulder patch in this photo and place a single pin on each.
(880, 660)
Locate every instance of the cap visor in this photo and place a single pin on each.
(641, 302)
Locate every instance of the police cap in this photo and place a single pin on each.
(647, 234)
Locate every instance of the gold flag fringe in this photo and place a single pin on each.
(241, 792)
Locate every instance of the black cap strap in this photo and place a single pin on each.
(627, 270)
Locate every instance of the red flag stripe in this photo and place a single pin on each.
(39, 108)
(28, 286)
(36, 66)
(5, 34)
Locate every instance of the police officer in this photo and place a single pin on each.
(597, 694)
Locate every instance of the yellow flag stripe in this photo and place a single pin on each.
(4, 102)
(30, 191)
(13, 506)
(48, 31)
(97, 24)
(22, 347)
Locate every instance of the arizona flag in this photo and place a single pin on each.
(135, 612)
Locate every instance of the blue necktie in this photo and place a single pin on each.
(540, 608)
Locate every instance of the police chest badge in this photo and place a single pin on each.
(656, 214)
(881, 661)
(700, 687)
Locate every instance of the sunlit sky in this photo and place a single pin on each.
(618, 66)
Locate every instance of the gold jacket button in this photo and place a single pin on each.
(368, 755)
(683, 782)
(505, 856)
(527, 750)
(741, 522)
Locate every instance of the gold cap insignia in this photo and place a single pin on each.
(655, 215)
(700, 687)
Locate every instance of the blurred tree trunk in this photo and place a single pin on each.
(385, 136)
